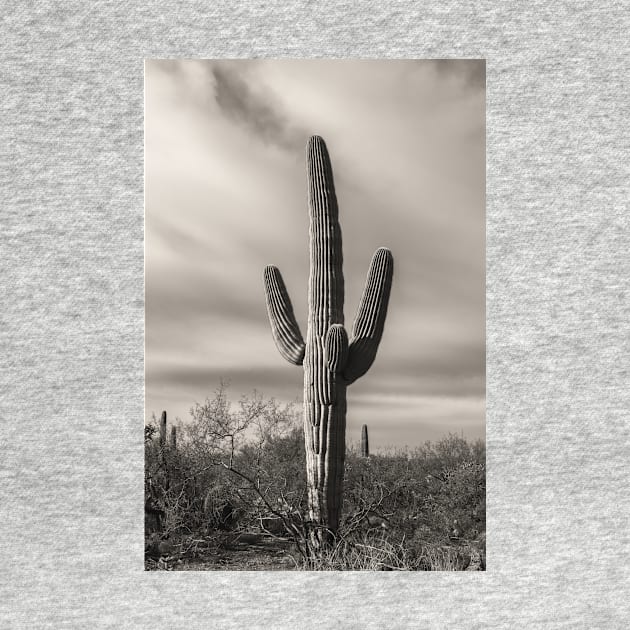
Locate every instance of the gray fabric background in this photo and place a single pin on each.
(72, 315)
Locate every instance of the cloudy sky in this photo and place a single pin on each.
(226, 195)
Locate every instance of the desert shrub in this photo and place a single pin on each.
(454, 499)
(433, 500)
(235, 464)
(240, 465)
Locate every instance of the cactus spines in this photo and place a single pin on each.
(331, 362)
(365, 446)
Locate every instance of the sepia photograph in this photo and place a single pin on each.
(315, 323)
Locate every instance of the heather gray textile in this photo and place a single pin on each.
(72, 329)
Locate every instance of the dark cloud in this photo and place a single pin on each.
(171, 67)
(421, 382)
(458, 372)
(240, 98)
(471, 71)
(209, 376)
(255, 109)
(175, 299)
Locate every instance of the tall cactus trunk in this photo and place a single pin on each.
(330, 362)
(324, 393)
(365, 446)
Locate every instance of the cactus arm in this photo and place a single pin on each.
(370, 320)
(284, 327)
(336, 346)
(336, 355)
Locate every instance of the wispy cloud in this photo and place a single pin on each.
(256, 109)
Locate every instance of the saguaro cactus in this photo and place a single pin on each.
(163, 429)
(330, 361)
(365, 447)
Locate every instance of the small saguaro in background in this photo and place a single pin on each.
(163, 429)
(365, 447)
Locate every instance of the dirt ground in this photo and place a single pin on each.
(251, 551)
(224, 552)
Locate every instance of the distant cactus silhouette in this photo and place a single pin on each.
(365, 447)
(163, 429)
(331, 362)
(163, 458)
